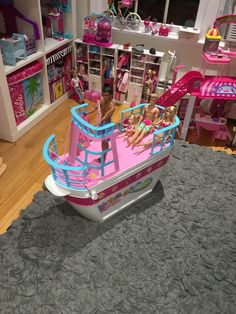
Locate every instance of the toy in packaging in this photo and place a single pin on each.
(25, 86)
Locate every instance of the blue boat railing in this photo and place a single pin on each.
(101, 166)
(73, 177)
(78, 112)
(164, 138)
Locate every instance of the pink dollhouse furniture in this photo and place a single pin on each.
(103, 33)
(13, 49)
(219, 129)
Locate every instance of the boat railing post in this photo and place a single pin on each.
(115, 152)
(73, 142)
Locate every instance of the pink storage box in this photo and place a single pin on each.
(26, 92)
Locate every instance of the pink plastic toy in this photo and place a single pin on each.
(127, 3)
(164, 30)
(103, 33)
(25, 86)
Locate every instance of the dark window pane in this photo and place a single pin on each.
(153, 8)
(181, 12)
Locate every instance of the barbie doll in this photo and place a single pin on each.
(147, 121)
(168, 119)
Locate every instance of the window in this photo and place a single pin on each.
(199, 14)
(178, 12)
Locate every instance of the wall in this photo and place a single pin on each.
(188, 51)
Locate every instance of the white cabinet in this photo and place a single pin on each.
(9, 130)
(96, 65)
(124, 71)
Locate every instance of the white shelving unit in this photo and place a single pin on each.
(9, 131)
(92, 57)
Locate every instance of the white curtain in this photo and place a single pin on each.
(97, 6)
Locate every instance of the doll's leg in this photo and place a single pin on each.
(139, 138)
(136, 135)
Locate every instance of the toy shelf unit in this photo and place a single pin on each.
(20, 33)
(23, 20)
(131, 75)
(95, 65)
(59, 69)
(58, 22)
(143, 75)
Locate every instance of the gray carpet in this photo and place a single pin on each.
(173, 252)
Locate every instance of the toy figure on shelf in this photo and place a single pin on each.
(168, 119)
(123, 60)
(150, 26)
(89, 29)
(148, 119)
(123, 81)
(77, 87)
(148, 86)
(54, 23)
(103, 32)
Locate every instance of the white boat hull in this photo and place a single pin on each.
(118, 196)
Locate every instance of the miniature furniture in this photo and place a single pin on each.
(13, 49)
(30, 43)
(219, 128)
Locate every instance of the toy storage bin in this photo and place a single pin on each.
(59, 67)
(26, 91)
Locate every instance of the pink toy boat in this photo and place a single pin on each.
(98, 190)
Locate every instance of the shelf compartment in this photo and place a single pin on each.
(10, 69)
(137, 68)
(38, 116)
(53, 44)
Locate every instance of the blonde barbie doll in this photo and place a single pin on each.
(168, 119)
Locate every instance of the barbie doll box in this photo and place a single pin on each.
(25, 86)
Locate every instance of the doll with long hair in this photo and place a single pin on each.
(168, 119)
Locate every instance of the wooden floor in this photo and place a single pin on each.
(26, 168)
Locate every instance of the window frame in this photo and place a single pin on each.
(208, 11)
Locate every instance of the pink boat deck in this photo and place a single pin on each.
(127, 157)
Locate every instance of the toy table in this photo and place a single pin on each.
(219, 129)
